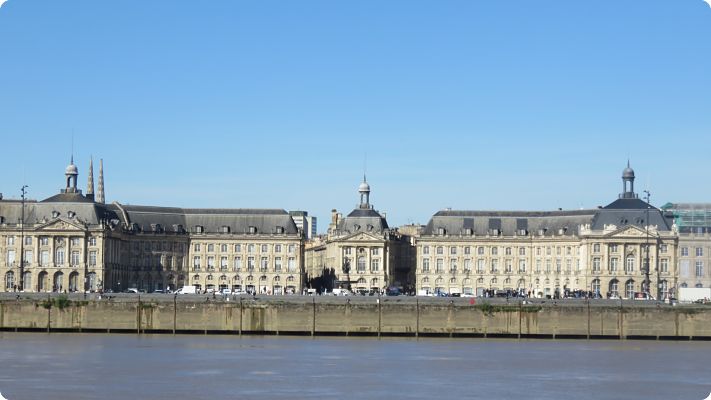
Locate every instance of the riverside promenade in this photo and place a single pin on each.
(354, 316)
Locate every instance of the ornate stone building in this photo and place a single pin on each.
(74, 242)
(359, 252)
(549, 253)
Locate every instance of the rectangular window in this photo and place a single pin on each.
(92, 241)
(44, 241)
(439, 266)
(548, 250)
(375, 265)
(291, 264)
(467, 265)
(548, 266)
(10, 257)
(196, 247)
(28, 257)
(453, 266)
(558, 265)
(596, 265)
(92, 258)
(250, 264)
(263, 264)
(467, 250)
(453, 251)
(250, 248)
(440, 250)
(699, 252)
(196, 263)
(211, 263)
(10, 240)
(508, 267)
(375, 251)
(291, 249)
(538, 266)
(699, 268)
(494, 251)
(494, 266)
(538, 251)
(684, 251)
(277, 248)
(629, 265)
(521, 266)
(74, 241)
(596, 248)
(425, 250)
(568, 266)
(521, 251)
(223, 263)
(210, 248)
(28, 240)
(663, 248)
(425, 265)
(613, 264)
(238, 264)
(265, 248)
(223, 248)
(613, 248)
(75, 258)
(59, 257)
(664, 265)
(480, 250)
(277, 264)
(238, 248)
(480, 266)
(568, 251)
(44, 258)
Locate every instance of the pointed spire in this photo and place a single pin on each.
(100, 195)
(90, 179)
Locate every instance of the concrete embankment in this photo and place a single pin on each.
(356, 316)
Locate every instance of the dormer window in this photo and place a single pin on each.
(542, 231)
(71, 214)
(356, 227)
(225, 229)
(279, 229)
(55, 214)
(252, 230)
(522, 232)
(441, 231)
(199, 229)
(468, 231)
(370, 227)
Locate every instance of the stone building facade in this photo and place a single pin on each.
(359, 253)
(72, 242)
(603, 251)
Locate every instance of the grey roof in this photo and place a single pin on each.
(362, 220)
(622, 212)
(36, 212)
(68, 198)
(212, 220)
(508, 223)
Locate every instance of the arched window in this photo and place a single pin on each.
(9, 280)
(613, 289)
(629, 289)
(361, 265)
(361, 282)
(595, 286)
(521, 284)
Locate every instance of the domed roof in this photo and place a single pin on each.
(71, 170)
(364, 187)
(628, 172)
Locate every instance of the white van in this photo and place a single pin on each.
(190, 289)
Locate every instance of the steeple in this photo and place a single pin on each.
(628, 183)
(90, 180)
(100, 194)
(364, 190)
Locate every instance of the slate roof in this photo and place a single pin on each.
(623, 212)
(508, 223)
(35, 212)
(362, 220)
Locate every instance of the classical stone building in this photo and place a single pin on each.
(550, 253)
(694, 223)
(75, 242)
(359, 252)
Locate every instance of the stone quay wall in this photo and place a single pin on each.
(355, 316)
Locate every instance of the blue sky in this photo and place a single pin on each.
(506, 105)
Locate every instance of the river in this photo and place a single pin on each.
(109, 366)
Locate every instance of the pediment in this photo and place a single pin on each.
(61, 224)
(360, 237)
(630, 230)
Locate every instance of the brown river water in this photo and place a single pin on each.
(109, 366)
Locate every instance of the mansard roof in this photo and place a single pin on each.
(622, 212)
(210, 220)
(35, 212)
(363, 220)
(507, 223)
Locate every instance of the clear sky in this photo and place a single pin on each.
(503, 105)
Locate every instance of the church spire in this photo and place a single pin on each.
(90, 180)
(100, 195)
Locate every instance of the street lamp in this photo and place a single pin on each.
(22, 239)
(646, 260)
